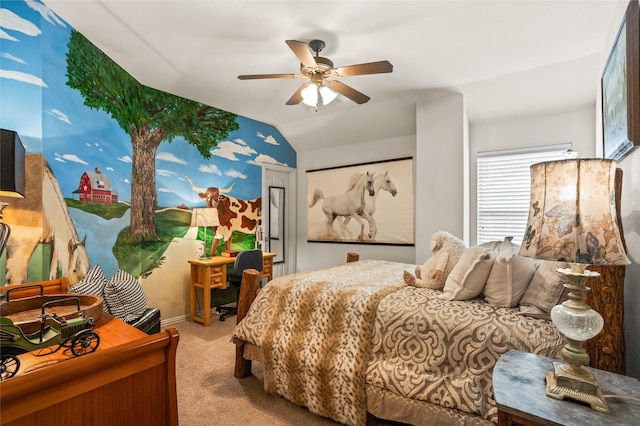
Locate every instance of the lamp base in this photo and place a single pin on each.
(567, 381)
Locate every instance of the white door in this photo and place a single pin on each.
(279, 216)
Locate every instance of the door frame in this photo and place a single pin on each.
(290, 246)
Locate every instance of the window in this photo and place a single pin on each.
(504, 187)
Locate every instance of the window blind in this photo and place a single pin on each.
(504, 188)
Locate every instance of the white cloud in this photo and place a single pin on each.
(5, 36)
(268, 139)
(11, 21)
(167, 156)
(125, 180)
(263, 158)
(74, 158)
(109, 168)
(126, 159)
(87, 144)
(165, 172)
(59, 115)
(22, 77)
(59, 159)
(96, 144)
(235, 174)
(14, 58)
(271, 140)
(228, 150)
(45, 12)
(164, 189)
(210, 168)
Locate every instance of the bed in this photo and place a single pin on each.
(354, 338)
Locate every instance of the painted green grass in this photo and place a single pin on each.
(140, 259)
(105, 211)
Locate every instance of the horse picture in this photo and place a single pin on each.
(388, 210)
(350, 204)
(380, 182)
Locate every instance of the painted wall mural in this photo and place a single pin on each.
(124, 175)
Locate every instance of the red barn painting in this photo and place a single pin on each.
(96, 187)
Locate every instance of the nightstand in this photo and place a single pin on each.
(519, 388)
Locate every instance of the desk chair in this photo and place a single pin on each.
(250, 259)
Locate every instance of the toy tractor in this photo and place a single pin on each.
(55, 332)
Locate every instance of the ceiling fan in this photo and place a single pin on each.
(320, 91)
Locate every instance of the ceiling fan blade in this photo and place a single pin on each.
(259, 76)
(347, 91)
(297, 97)
(301, 49)
(379, 67)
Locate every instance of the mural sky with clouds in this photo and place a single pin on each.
(51, 119)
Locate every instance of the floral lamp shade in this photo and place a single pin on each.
(572, 214)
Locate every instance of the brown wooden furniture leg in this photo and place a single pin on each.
(352, 257)
(248, 291)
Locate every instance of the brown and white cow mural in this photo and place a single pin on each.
(234, 214)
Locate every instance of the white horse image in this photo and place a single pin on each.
(349, 204)
(42, 217)
(380, 182)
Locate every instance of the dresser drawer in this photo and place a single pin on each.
(217, 278)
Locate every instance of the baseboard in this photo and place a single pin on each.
(173, 321)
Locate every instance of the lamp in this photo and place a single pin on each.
(317, 94)
(11, 175)
(572, 218)
(205, 217)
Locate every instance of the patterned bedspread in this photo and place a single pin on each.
(443, 352)
(323, 334)
(314, 329)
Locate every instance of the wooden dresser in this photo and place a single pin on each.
(129, 380)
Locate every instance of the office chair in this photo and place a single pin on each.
(250, 259)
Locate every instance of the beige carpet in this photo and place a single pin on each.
(209, 394)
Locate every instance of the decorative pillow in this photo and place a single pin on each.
(501, 245)
(546, 288)
(93, 283)
(509, 279)
(468, 277)
(125, 297)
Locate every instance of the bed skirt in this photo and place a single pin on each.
(387, 405)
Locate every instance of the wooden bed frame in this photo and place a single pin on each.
(129, 384)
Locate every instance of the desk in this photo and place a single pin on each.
(210, 273)
(519, 388)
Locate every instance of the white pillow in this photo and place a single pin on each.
(125, 297)
(501, 245)
(467, 279)
(509, 278)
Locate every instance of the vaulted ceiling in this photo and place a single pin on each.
(508, 58)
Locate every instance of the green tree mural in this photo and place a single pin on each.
(149, 116)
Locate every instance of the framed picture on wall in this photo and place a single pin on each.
(368, 203)
(621, 89)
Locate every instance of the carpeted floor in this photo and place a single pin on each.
(209, 394)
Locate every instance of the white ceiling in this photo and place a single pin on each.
(508, 58)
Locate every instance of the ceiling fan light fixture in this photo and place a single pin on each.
(310, 95)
